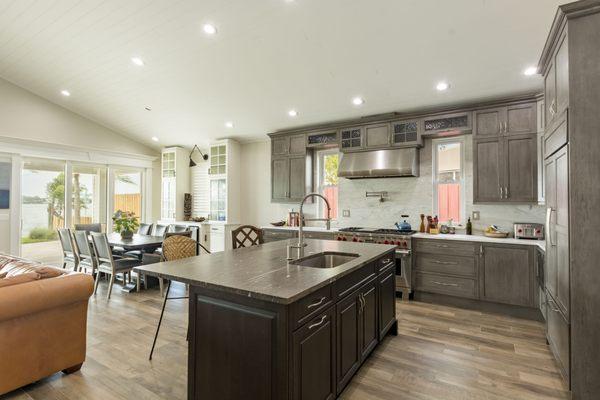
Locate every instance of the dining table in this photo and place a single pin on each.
(144, 243)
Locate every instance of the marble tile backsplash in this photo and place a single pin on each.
(414, 196)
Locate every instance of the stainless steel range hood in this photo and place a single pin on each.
(380, 163)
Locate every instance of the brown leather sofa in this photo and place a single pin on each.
(43, 318)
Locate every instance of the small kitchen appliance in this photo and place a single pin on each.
(525, 230)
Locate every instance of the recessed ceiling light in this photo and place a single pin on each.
(228, 124)
(148, 108)
(441, 86)
(137, 61)
(154, 139)
(209, 29)
(65, 93)
(530, 71)
(357, 101)
(293, 113)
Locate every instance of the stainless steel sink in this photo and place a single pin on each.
(328, 259)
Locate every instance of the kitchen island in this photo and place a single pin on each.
(263, 327)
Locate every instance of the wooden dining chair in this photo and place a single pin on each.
(246, 236)
(69, 255)
(109, 265)
(175, 247)
(87, 260)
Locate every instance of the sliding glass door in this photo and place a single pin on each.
(88, 197)
(128, 191)
(42, 210)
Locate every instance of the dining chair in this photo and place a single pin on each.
(160, 230)
(175, 247)
(69, 255)
(87, 260)
(246, 236)
(178, 228)
(89, 227)
(145, 229)
(109, 265)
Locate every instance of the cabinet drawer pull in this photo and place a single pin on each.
(445, 262)
(323, 318)
(317, 303)
(441, 245)
(387, 261)
(446, 284)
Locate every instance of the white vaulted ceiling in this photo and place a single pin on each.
(268, 56)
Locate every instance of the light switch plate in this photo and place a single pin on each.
(346, 213)
(476, 216)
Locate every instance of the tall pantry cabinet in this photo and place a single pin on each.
(569, 65)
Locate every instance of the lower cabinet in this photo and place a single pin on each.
(313, 368)
(557, 333)
(507, 274)
(499, 273)
(357, 333)
(387, 300)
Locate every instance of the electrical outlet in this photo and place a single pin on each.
(346, 213)
(476, 216)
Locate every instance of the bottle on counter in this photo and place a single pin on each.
(422, 227)
(469, 227)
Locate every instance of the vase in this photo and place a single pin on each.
(126, 234)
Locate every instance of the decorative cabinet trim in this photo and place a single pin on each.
(352, 138)
(448, 124)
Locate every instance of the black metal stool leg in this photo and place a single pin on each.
(160, 319)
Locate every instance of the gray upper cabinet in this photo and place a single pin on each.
(280, 184)
(487, 171)
(297, 145)
(297, 178)
(505, 154)
(291, 168)
(377, 136)
(556, 82)
(406, 133)
(521, 119)
(489, 123)
(352, 138)
(280, 146)
(514, 119)
(507, 274)
(288, 145)
(521, 169)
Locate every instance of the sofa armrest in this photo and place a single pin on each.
(33, 297)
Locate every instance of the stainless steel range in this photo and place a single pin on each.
(403, 242)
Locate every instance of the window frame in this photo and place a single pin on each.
(319, 167)
(463, 201)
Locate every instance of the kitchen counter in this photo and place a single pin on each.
(263, 272)
(541, 244)
(483, 239)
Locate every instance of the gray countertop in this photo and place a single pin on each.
(263, 271)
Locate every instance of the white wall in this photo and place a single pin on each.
(412, 196)
(24, 115)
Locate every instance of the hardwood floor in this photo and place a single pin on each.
(440, 353)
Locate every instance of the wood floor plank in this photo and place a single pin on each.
(440, 353)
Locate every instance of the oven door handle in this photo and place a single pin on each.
(403, 253)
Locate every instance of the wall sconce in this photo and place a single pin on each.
(204, 156)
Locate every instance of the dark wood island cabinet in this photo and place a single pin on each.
(263, 328)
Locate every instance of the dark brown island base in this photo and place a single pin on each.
(265, 328)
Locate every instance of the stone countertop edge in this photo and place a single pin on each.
(541, 244)
(275, 253)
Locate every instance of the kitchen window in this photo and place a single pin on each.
(327, 181)
(449, 180)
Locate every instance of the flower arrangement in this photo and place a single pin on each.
(125, 222)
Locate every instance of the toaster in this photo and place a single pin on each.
(525, 230)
